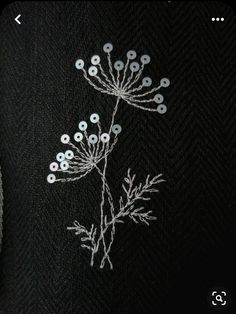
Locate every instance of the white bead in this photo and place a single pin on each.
(94, 118)
(64, 165)
(69, 154)
(131, 54)
(65, 139)
(60, 157)
(145, 59)
(161, 109)
(108, 47)
(51, 178)
(105, 137)
(147, 81)
(53, 166)
(93, 139)
(165, 82)
(119, 65)
(83, 125)
(116, 129)
(158, 98)
(93, 71)
(95, 60)
(79, 64)
(134, 66)
(78, 137)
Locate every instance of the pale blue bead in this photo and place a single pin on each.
(158, 98)
(79, 64)
(83, 125)
(165, 82)
(131, 54)
(161, 109)
(60, 157)
(78, 137)
(116, 129)
(107, 47)
(69, 154)
(93, 139)
(134, 66)
(105, 137)
(51, 178)
(65, 139)
(53, 166)
(145, 59)
(94, 118)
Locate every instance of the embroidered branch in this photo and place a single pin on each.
(124, 80)
(85, 153)
(89, 151)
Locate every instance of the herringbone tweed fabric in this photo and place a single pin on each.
(1, 209)
(170, 266)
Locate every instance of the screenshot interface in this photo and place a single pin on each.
(117, 157)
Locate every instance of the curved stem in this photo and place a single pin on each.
(104, 188)
(110, 199)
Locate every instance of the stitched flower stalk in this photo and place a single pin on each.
(89, 151)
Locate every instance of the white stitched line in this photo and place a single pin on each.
(110, 68)
(125, 71)
(106, 77)
(92, 155)
(149, 92)
(136, 77)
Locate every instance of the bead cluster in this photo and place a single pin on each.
(86, 150)
(123, 79)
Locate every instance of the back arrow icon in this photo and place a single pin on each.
(17, 19)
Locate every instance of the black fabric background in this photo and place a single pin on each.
(170, 266)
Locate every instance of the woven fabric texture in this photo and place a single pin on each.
(1, 208)
(170, 266)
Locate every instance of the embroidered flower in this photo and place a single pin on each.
(86, 151)
(124, 80)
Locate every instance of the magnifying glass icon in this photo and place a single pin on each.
(219, 298)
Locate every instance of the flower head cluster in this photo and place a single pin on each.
(124, 80)
(85, 151)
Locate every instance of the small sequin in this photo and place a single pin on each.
(94, 118)
(51, 178)
(83, 125)
(161, 109)
(78, 137)
(131, 54)
(93, 71)
(65, 139)
(165, 82)
(79, 64)
(147, 81)
(116, 129)
(69, 154)
(158, 98)
(60, 157)
(134, 66)
(64, 165)
(53, 166)
(105, 137)
(119, 65)
(145, 59)
(95, 60)
(93, 139)
(108, 47)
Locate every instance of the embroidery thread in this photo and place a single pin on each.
(89, 152)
